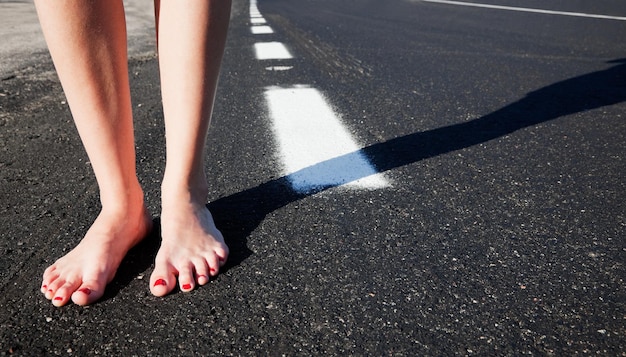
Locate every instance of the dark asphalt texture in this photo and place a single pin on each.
(503, 134)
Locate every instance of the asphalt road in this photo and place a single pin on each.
(501, 134)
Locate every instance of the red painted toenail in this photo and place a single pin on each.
(212, 270)
(44, 286)
(186, 286)
(160, 282)
(58, 298)
(85, 291)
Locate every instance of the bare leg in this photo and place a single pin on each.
(87, 41)
(191, 40)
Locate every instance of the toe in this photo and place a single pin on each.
(44, 287)
(185, 279)
(48, 282)
(87, 293)
(59, 301)
(214, 264)
(52, 288)
(222, 255)
(202, 272)
(202, 279)
(62, 295)
(162, 280)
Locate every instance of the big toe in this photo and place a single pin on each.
(162, 281)
(87, 293)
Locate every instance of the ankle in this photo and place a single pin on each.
(125, 203)
(183, 194)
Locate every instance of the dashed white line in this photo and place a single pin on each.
(278, 68)
(254, 10)
(261, 30)
(271, 50)
(524, 9)
(317, 150)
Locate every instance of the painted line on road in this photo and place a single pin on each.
(261, 30)
(257, 21)
(316, 149)
(271, 50)
(524, 9)
(278, 68)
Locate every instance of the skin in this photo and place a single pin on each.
(87, 42)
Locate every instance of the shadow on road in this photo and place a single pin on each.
(136, 262)
(239, 214)
(578, 94)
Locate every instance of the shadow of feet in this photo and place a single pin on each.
(136, 262)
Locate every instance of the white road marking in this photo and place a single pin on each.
(254, 10)
(271, 50)
(279, 68)
(524, 9)
(261, 30)
(317, 150)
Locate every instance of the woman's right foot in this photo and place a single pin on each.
(83, 273)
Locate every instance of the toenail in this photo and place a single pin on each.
(44, 286)
(212, 270)
(58, 298)
(187, 286)
(160, 282)
(85, 291)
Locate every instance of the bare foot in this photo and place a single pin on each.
(84, 272)
(192, 248)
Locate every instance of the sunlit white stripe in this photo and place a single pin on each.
(317, 150)
(261, 30)
(271, 50)
(524, 9)
(279, 68)
(257, 20)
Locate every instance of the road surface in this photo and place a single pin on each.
(458, 190)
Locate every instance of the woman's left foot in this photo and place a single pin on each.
(192, 248)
